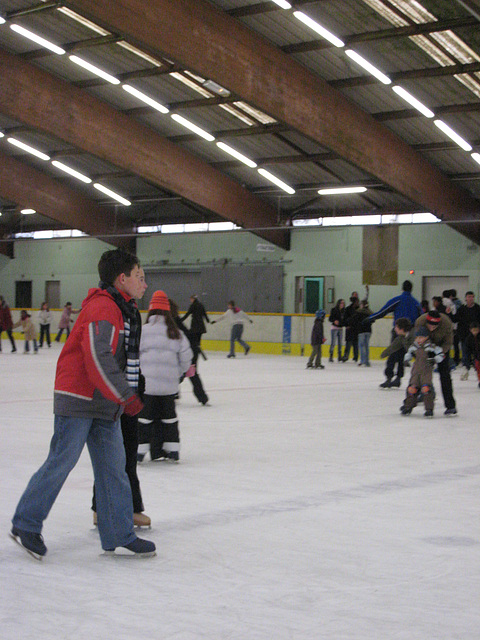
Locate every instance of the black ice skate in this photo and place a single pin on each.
(31, 542)
(139, 548)
(386, 385)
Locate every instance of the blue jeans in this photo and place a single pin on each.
(363, 345)
(107, 452)
(236, 335)
(336, 336)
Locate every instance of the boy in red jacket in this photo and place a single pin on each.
(93, 385)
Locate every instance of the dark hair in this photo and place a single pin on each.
(404, 324)
(173, 331)
(337, 306)
(173, 308)
(232, 302)
(407, 286)
(446, 293)
(453, 292)
(68, 303)
(469, 293)
(48, 307)
(115, 262)
(474, 325)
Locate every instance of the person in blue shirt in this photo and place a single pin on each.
(401, 306)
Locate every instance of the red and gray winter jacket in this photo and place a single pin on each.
(90, 380)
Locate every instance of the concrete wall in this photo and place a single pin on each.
(431, 250)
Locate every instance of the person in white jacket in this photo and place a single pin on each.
(165, 356)
(45, 319)
(237, 319)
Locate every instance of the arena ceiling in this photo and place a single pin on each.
(113, 89)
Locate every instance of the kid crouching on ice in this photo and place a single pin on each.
(317, 340)
(426, 355)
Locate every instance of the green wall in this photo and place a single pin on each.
(431, 250)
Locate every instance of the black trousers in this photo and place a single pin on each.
(158, 425)
(130, 440)
(446, 383)
(44, 333)
(9, 334)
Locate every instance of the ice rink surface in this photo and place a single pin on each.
(304, 507)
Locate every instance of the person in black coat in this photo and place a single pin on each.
(316, 341)
(197, 326)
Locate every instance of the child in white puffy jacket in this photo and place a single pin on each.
(165, 356)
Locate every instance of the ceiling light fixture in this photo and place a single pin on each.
(318, 29)
(112, 194)
(2, 20)
(193, 127)
(368, 66)
(277, 181)
(453, 135)
(283, 4)
(72, 172)
(144, 98)
(27, 212)
(28, 149)
(38, 39)
(341, 190)
(93, 69)
(476, 157)
(86, 23)
(237, 154)
(413, 101)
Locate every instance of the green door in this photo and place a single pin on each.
(313, 295)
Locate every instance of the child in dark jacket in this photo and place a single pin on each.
(317, 340)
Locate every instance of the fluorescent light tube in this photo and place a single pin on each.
(2, 20)
(277, 181)
(28, 149)
(368, 66)
(27, 212)
(283, 4)
(453, 135)
(38, 39)
(413, 101)
(236, 154)
(341, 190)
(476, 157)
(146, 99)
(70, 171)
(93, 69)
(318, 29)
(193, 127)
(111, 193)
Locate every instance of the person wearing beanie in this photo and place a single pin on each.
(402, 306)
(94, 384)
(317, 339)
(29, 331)
(440, 334)
(165, 356)
(237, 318)
(426, 355)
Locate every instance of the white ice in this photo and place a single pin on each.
(304, 507)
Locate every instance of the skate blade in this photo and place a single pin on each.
(125, 554)
(30, 553)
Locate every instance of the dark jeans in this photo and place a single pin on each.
(348, 345)
(130, 440)
(446, 383)
(9, 334)
(158, 425)
(236, 336)
(395, 358)
(466, 355)
(44, 333)
(60, 331)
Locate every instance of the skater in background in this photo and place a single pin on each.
(91, 392)
(402, 306)
(473, 346)
(351, 328)
(466, 314)
(364, 328)
(197, 384)
(6, 323)
(129, 425)
(65, 320)
(237, 319)
(165, 356)
(426, 355)
(197, 325)
(29, 331)
(337, 316)
(317, 339)
(45, 319)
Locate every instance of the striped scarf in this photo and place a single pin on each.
(132, 326)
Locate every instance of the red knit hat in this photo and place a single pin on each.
(159, 301)
(433, 317)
